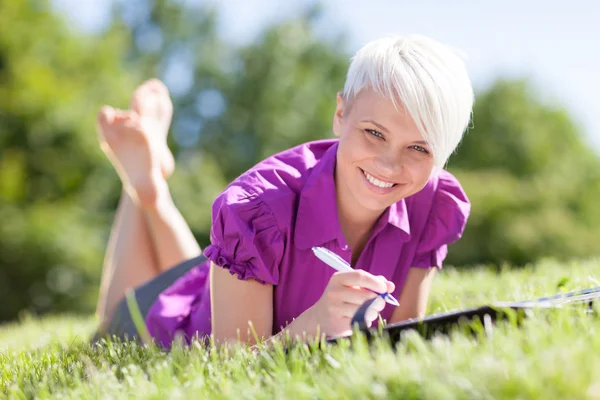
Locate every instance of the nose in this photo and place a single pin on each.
(390, 164)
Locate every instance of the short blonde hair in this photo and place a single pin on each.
(427, 78)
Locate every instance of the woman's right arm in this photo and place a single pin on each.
(235, 303)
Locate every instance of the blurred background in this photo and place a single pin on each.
(251, 78)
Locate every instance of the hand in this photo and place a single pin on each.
(344, 294)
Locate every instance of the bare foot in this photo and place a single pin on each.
(135, 154)
(152, 103)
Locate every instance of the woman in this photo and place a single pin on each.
(376, 195)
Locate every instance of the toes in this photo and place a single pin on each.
(152, 99)
(157, 86)
(127, 121)
(105, 116)
(124, 115)
(150, 87)
(153, 85)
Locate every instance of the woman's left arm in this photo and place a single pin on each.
(413, 300)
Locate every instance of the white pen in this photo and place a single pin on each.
(339, 264)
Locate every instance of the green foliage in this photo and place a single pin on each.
(531, 179)
(514, 130)
(241, 104)
(58, 193)
(283, 94)
(52, 82)
(533, 182)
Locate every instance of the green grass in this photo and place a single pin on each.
(555, 354)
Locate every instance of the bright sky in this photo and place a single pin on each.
(551, 41)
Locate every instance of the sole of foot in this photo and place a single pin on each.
(152, 102)
(134, 153)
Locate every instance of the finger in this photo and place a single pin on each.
(363, 279)
(346, 310)
(356, 296)
(390, 285)
(378, 305)
(375, 309)
(371, 315)
(347, 332)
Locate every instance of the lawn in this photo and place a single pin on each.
(555, 354)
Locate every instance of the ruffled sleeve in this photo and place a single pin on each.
(450, 209)
(245, 238)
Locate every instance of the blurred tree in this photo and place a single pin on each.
(52, 82)
(234, 105)
(512, 123)
(533, 182)
(530, 177)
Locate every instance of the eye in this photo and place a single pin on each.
(374, 133)
(420, 149)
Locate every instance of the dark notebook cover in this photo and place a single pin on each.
(487, 314)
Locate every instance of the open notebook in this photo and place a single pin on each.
(444, 322)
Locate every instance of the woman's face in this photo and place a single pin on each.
(382, 157)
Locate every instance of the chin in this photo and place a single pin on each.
(375, 206)
(376, 201)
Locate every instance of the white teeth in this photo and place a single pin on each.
(377, 182)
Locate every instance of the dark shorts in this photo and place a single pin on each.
(121, 324)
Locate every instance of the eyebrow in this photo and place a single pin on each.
(383, 128)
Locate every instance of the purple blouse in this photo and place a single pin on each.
(265, 223)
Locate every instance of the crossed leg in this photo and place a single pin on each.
(149, 234)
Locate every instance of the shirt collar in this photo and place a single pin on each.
(317, 215)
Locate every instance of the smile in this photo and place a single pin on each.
(376, 182)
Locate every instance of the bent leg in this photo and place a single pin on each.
(129, 259)
(121, 324)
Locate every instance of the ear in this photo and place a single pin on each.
(338, 115)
